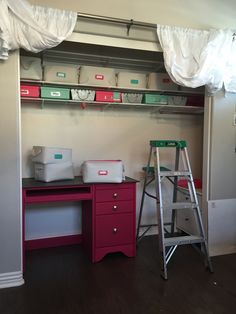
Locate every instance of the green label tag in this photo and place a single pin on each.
(116, 95)
(135, 82)
(58, 156)
(61, 74)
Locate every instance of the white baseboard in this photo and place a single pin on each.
(216, 251)
(14, 279)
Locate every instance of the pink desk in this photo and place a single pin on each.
(108, 212)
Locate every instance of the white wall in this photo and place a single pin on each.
(98, 134)
(186, 13)
(10, 174)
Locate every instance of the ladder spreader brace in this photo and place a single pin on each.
(170, 240)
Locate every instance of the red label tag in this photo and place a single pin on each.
(166, 80)
(99, 77)
(102, 172)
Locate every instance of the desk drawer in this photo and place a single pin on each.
(116, 194)
(114, 207)
(115, 229)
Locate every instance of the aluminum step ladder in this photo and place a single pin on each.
(170, 239)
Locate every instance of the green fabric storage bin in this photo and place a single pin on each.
(155, 99)
(55, 92)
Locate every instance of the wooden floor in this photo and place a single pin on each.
(62, 280)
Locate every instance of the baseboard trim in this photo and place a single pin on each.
(13, 279)
(53, 242)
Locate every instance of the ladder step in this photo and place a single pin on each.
(179, 205)
(174, 173)
(189, 239)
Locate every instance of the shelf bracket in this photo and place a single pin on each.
(131, 23)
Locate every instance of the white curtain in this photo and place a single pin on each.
(198, 57)
(33, 28)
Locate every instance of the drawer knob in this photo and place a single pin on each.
(115, 195)
(115, 207)
(115, 230)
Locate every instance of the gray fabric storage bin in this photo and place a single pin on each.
(107, 171)
(61, 72)
(132, 80)
(132, 98)
(83, 94)
(31, 68)
(161, 81)
(97, 76)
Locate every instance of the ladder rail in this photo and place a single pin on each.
(169, 241)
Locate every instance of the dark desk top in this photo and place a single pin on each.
(32, 183)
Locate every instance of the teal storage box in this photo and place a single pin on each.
(155, 99)
(55, 92)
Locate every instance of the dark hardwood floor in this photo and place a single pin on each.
(62, 280)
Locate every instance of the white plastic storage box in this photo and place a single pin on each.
(132, 98)
(60, 72)
(51, 155)
(83, 94)
(107, 171)
(53, 172)
(97, 76)
(161, 81)
(132, 80)
(31, 68)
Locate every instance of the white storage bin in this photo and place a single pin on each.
(132, 80)
(107, 171)
(83, 94)
(161, 81)
(30, 68)
(60, 72)
(51, 155)
(53, 172)
(97, 76)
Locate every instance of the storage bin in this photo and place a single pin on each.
(97, 76)
(104, 96)
(177, 100)
(53, 172)
(31, 68)
(161, 81)
(55, 92)
(49, 155)
(132, 98)
(132, 80)
(29, 91)
(107, 171)
(195, 101)
(60, 72)
(155, 99)
(83, 94)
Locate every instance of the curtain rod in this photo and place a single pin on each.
(128, 23)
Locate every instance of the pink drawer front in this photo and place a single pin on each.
(115, 194)
(114, 207)
(114, 230)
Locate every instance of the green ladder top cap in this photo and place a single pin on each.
(168, 143)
